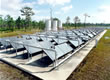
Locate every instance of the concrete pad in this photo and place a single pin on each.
(63, 71)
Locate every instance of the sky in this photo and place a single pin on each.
(98, 10)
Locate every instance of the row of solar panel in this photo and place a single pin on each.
(53, 44)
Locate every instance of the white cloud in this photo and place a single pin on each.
(38, 18)
(66, 8)
(30, 4)
(103, 8)
(103, 14)
(36, 11)
(13, 7)
(57, 12)
(10, 7)
(0, 6)
(53, 2)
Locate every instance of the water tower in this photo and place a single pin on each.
(48, 25)
(59, 25)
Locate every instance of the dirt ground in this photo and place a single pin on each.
(8, 72)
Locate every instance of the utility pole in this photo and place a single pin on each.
(51, 16)
(51, 13)
(85, 15)
(1, 21)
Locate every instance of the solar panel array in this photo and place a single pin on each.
(54, 44)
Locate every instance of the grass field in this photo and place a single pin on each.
(15, 33)
(96, 65)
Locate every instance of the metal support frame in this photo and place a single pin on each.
(16, 52)
(38, 48)
(75, 52)
(55, 62)
(80, 36)
(54, 37)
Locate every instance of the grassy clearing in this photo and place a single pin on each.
(15, 33)
(96, 66)
(69, 28)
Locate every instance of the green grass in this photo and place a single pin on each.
(96, 66)
(18, 32)
(68, 27)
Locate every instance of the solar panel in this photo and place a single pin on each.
(61, 50)
(34, 37)
(80, 34)
(7, 41)
(26, 36)
(80, 41)
(0, 42)
(91, 35)
(16, 44)
(75, 43)
(61, 33)
(65, 48)
(46, 39)
(60, 41)
(85, 37)
(63, 37)
(46, 44)
(51, 36)
(4, 42)
(41, 35)
(30, 49)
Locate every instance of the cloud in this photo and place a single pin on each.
(102, 14)
(57, 12)
(0, 6)
(38, 18)
(66, 8)
(10, 7)
(29, 4)
(103, 8)
(36, 11)
(13, 7)
(53, 2)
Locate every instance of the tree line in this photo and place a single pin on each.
(77, 23)
(8, 23)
